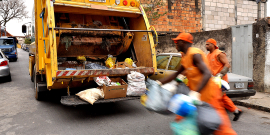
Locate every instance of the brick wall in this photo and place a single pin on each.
(220, 14)
(184, 16)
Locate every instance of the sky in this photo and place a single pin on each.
(15, 26)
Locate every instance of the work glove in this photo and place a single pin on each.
(196, 97)
(219, 75)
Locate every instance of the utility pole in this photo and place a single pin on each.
(259, 11)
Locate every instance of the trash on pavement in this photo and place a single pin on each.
(91, 95)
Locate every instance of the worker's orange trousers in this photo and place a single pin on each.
(228, 104)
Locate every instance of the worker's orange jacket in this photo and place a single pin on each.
(215, 65)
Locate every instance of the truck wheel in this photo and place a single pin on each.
(39, 87)
(32, 76)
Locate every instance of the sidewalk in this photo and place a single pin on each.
(261, 101)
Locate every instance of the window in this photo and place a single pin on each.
(162, 61)
(174, 63)
(6, 41)
(1, 55)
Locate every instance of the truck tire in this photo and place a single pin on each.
(32, 76)
(39, 87)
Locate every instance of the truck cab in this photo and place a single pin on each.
(9, 47)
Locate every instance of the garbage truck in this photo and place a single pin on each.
(65, 30)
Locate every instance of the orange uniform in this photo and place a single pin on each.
(216, 67)
(210, 93)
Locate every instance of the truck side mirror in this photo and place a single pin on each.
(23, 28)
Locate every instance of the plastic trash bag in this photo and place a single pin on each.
(208, 119)
(221, 83)
(81, 58)
(70, 69)
(102, 80)
(94, 66)
(129, 61)
(110, 62)
(91, 95)
(187, 126)
(182, 105)
(183, 89)
(136, 84)
(157, 98)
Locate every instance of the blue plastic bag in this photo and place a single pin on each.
(187, 126)
(182, 105)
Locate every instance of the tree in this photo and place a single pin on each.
(27, 41)
(151, 9)
(12, 9)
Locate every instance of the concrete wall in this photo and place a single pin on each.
(220, 14)
(261, 55)
(223, 38)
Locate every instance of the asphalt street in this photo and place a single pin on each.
(22, 114)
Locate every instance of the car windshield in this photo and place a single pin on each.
(175, 63)
(162, 61)
(6, 41)
(1, 55)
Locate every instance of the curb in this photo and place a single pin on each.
(257, 107)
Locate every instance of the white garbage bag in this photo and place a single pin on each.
(91, 95)
(102, 80)
(136, 84)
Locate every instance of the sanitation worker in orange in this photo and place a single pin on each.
(219, 66)
(200, 82)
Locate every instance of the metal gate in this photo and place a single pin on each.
(242, 50)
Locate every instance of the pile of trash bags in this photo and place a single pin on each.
(171, 98)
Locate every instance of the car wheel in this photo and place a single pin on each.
(15, 59)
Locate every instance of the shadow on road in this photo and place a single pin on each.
(3, 80)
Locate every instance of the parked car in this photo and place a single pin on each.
(241, 86)
(4, 67)
(8, 45)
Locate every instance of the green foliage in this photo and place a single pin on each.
(27, 41)
(150, 8)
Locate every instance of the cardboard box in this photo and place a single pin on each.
(115, 91)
